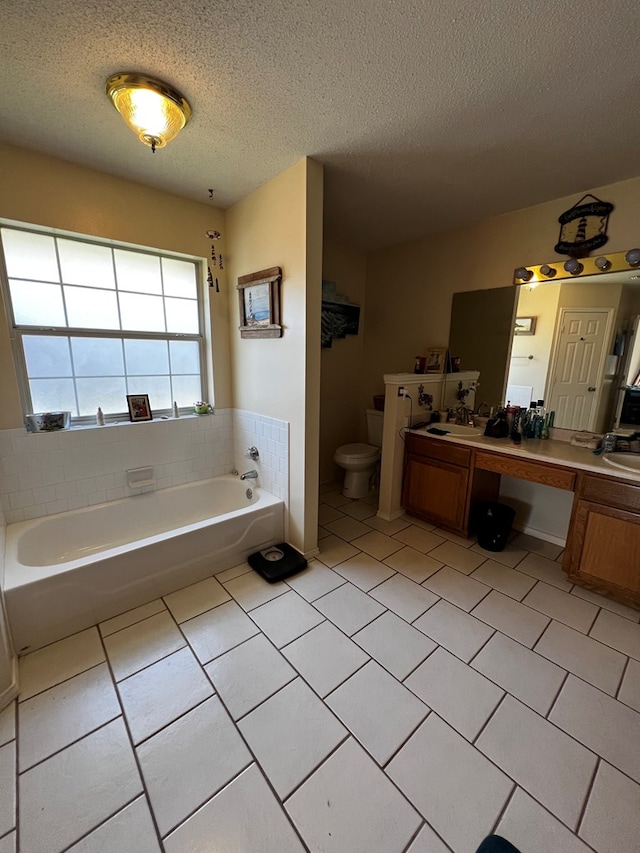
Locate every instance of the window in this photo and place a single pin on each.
(93, 322)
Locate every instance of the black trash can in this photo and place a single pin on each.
(493, 524)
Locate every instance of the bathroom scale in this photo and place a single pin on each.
(277, 562)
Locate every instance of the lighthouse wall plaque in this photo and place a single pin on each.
(583, 228)
(259, 295)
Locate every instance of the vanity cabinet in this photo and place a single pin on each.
(603, 547)
(438, 484)
(443, 481)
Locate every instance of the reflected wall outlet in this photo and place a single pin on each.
(401, 391)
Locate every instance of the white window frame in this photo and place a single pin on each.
(17, 331)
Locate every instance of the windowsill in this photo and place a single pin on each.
(160, 419)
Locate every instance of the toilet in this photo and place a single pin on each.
(360, 461)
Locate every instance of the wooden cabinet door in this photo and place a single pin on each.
(605, 551)
(436, 491)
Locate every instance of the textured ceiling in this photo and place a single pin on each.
(426, 113)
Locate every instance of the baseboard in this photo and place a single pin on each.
(390, 516)
(542, 534)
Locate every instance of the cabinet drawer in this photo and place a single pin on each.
(433, 448)
(610, 492)
(524, 469)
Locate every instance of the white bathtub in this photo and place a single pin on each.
(69, 571)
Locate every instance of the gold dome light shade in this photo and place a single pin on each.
(154, 111)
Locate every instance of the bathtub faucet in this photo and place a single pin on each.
(249, 475)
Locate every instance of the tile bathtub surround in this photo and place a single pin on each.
(42, 473)
(350, 708)
(271, 437)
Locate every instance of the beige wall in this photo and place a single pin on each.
(409, 286)
(343, 404)
(280, 225)
(41, 190)
(541, 303)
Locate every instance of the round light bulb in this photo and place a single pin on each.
(548, 271)
(633, 257)
(524, 274)
(602, 263)
(573, 266)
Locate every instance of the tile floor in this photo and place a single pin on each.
(407, 693)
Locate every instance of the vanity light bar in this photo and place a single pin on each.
(573, 268)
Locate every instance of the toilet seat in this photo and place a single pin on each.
(357, 452)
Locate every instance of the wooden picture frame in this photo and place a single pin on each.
(436, 360)
(139, 408)
(525, 326)
(259, 303)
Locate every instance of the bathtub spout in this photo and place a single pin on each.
(249, 475)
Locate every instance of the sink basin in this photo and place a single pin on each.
(458, 429)
(628, 461)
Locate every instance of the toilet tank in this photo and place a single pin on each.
(375, 421)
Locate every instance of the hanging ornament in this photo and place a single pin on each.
(220, 262)
(213, 255)
(217, 287)
(209, 277)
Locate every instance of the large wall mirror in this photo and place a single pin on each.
(572, 343)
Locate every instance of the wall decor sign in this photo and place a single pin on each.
(583, 227)
(339, 316)
(139, 408)
(525, 326)
(259, 297)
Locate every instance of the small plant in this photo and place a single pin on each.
(202, 407)
(462, 393)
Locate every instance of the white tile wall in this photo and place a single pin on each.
(271, 437)
(43, 473)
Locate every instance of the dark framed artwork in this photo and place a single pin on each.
(139, 408)
(259, 304)
(339, 316)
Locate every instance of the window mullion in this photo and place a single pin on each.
(93, 354)
(61, 283)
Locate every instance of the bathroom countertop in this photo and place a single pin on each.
(550, 450)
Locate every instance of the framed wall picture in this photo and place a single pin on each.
(436, 360)
(525, 326)
(259, 303)
(139, 408)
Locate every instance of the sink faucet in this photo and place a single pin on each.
(464, 415)
(249, 475)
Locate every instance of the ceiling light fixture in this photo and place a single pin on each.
(154, 111)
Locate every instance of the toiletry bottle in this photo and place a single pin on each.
(99, 417)
(516, 435)
(176, 410)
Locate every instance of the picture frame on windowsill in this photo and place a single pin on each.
(139, 408)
